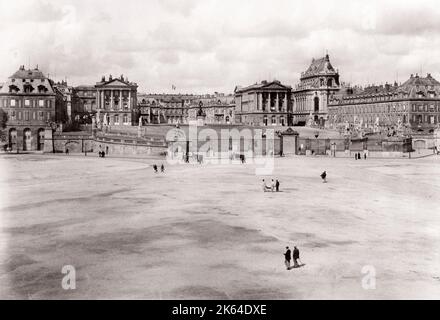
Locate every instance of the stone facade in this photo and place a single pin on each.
(264, 104)
(30, 100)
(311, 96)
(415, 105)
(182, 109)
(116, 101)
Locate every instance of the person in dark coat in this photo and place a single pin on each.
(355, 156)
(295, 257)
(359, 156)
(365, 156)
(277, 185)
(324, 176)
(287, 257)
(155, 168)
(162, 168)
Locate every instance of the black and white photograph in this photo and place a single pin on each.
(219, 150)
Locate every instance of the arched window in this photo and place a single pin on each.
(316, 103)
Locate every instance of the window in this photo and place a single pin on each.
(12, 103)
(19, 115)
(48, 116)
(34, 116)
(27, 103)
(41, 103)
(26, 115)
(116, 119)
(274, 120)
(125, 119)
(40, 115)
(13, 115)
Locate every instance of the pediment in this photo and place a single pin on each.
(275, 86)
(115, 83)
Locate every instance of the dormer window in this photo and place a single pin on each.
(13, 89)
(42, 89)
(28, 88)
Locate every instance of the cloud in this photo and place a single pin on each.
(213, 45)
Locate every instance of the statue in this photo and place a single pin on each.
(310, 120)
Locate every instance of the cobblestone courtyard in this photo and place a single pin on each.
(209, 232)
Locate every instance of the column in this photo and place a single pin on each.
(111, 99)
(285, 103)
(102, 100)
(129, 100)
(268, 102)
(98, 100)
(120, 99)
(277, 102)
(257, 106)
(260, 100)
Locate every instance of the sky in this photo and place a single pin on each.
(212, 46)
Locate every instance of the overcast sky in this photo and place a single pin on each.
(214, 45)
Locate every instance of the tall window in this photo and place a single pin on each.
(125, 119)
(12, 103)
(41, 103)
(40, 115)
(26, 115)
(274, 120)
(116, 119)
(27, 103)
(316, 104)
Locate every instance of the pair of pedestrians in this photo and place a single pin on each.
(288, 255)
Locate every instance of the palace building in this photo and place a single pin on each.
(31, 102)
(414, 104)
(264, 104)
(116, 101)
(182, 109)
(311, 96)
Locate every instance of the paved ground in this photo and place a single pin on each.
(209, 232)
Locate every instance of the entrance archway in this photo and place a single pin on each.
(12, 138)
(27, 139)
(40, 139)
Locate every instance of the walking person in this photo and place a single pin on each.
(277, 185)
(155, 168)
(162, 168)
(296, 258)
(359, 156)
(355, 156)
(324, 177)
(287, 257)
(272, 186)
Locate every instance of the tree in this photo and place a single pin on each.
(3, 121)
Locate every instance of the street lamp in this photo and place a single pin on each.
(316, 136)
(53, 126)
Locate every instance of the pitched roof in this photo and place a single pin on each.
(320, 66)
(25, 78)
(264, 84)
(22, 73)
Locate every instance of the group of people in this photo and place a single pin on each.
(289, 255)
(274, 186)
(156, 170)
(357, 156)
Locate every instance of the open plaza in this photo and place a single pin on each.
(209, 231)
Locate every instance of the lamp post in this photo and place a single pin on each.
(316, 136)
(53, 127)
